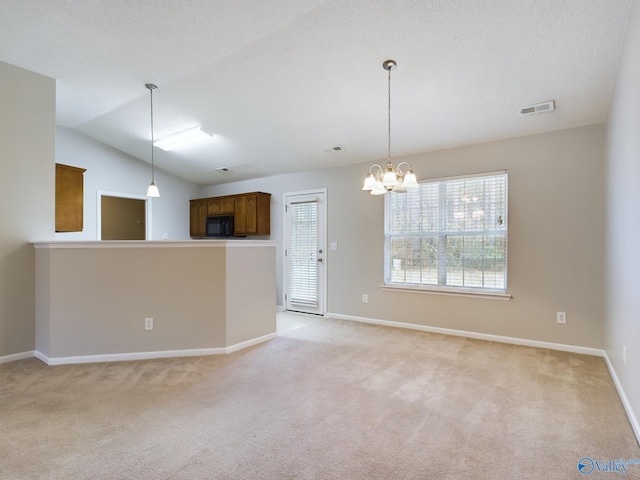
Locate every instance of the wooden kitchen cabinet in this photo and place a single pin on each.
(69, 198)
(198, 217)
(251, 212)
(220, 205)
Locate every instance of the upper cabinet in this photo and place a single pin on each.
(220, 206)
(251, 212)
(198, 216)
(69, 198)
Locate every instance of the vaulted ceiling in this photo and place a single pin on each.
(279, 82)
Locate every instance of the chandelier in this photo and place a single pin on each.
(380, 181)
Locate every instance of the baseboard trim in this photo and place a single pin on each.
(250, 343)
(124, 357)
(478, 336)
(623, 397)
(41, 356)
(16, 356)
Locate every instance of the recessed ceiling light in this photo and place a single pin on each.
(183, 139)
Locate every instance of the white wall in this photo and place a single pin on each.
(622, 325)
(27, 196)
(110, 170)
(174, 283)
(556, 238)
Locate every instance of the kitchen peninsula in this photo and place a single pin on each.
(94, 299)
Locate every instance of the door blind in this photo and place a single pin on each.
(303, 253)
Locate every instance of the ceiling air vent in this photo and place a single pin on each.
(539, 108)
(335, 149)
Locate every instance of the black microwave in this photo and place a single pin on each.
(219, 226)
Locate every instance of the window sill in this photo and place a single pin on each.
(456, 292)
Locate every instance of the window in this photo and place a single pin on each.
(449, 234)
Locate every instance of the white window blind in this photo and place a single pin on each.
(449, 233)
(303, 253)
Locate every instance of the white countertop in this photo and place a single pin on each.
(155, 244)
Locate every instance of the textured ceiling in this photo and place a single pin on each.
(280, 81)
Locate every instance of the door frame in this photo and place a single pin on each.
(325, 261)
(147, 210)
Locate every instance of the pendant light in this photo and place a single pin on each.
(389, 179)
(152, 191)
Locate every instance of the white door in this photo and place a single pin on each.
(304, 253)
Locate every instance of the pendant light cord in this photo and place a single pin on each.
(152, 191)
(153, 175)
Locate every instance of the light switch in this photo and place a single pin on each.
(334, 245)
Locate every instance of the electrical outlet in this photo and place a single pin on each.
(624, 355)
(148, 323)
(561, 317)
(365, 298)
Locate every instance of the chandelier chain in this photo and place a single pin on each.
(389, 118)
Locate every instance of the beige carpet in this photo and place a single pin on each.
(327, 399)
